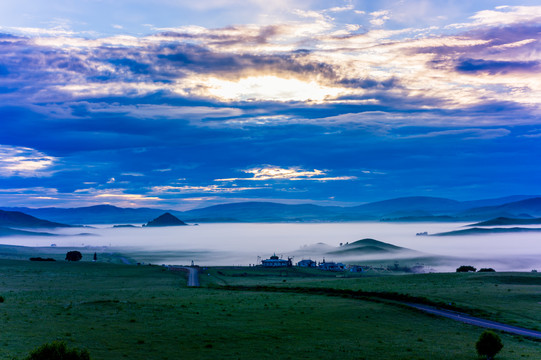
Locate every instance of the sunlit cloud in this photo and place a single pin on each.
(24, 162)
(187, 189)
(270, 172)
(131, 197)
(268, 88)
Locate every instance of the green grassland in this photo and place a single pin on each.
(147, 312)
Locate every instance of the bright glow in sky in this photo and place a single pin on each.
(270, 88)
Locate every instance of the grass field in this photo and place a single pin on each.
(147, 312)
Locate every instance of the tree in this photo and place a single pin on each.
(57, 350)
(466, 268)
(95, 257)
(73, 256)
(486, 270)
(489, 344)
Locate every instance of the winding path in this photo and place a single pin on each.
(477, 321)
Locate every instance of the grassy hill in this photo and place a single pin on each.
(369, 246)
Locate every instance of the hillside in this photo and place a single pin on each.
(516, 209)
(483, 231)
(166, 220)
(263, 212)
(368, 247)
(98, 214)
(18, 219)
(4, 231)
(508, 221)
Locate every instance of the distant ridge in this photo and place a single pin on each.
(481, 231)
(531, 207)
(166, 220)
(508, 221)
(4, 231)
(18, 219)
(411, 209)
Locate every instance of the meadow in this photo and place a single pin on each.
(147, 312)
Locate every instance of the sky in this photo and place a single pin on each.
(184, 104)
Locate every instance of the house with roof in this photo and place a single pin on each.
(355, 268)
(275, 261)
(307, 263)
(331, 266)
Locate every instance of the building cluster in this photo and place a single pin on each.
(274, 261)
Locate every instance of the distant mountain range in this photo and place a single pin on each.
(400, 209)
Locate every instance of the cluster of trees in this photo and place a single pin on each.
(469, 268)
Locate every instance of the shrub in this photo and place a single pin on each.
(486, 270)
(1, 299)
(489, 344)
(466, 268)
(57, 350)
(41, 259)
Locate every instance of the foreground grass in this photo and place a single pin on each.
(146, 312)
(513, 298)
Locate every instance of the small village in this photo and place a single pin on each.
(274, 261)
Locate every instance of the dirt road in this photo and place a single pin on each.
(193, 274)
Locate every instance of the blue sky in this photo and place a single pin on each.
(182, 104)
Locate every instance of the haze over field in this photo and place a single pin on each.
(241, 244)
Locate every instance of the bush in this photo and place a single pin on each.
(466, 268)
(489, 344)
(1, 299)
(73, 256)
(486, 270)
(57, 350)
(41, 259)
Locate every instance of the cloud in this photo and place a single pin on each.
(25, 162)
(187, 189)
(131, 197)
(505, 15)
(495, 67)
(467, 134)
(270, 172)
(379, 17)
